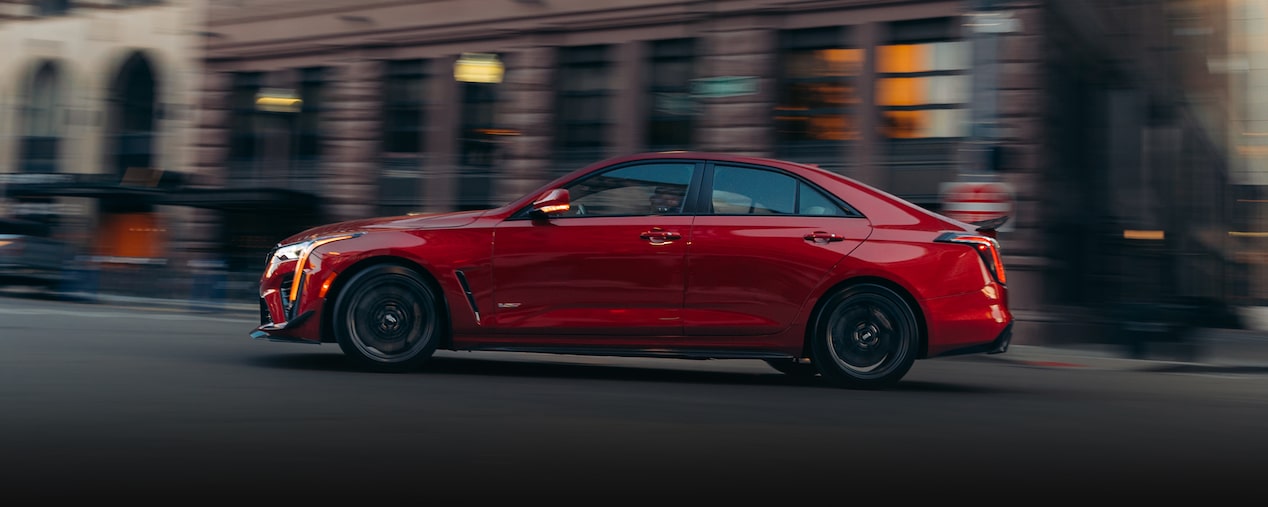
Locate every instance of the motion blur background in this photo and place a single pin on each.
(167, 145)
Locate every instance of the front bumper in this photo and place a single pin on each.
(284, 321)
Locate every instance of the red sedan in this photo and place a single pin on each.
(683, 255)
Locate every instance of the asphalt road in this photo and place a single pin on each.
(101, 401)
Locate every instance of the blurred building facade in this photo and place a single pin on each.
(1104, 116)
(1246, 66)
(96, 105)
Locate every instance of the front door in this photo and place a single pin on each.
(613, 264)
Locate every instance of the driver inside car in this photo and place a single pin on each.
(666, 200)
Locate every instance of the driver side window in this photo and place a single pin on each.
(645, 189)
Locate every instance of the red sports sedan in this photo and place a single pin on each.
(683, 255)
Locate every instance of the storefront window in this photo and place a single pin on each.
(817, 95)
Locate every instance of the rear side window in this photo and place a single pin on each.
(752, 191)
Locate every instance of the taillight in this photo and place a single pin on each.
(987, 248)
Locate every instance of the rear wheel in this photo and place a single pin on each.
(388, 318)
(865, 337)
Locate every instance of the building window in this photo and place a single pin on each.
(308, 144)
(478, 144)
(242, 135)
(670, 70)
(816, 96)
(922, 86)
(582, 104)
(52, 7)
(40, 126)
(403, 100)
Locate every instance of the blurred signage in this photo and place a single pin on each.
(975, 201)
(478, 68)
(993, 22)
(675, 103)
(278, 100)
(723, 86)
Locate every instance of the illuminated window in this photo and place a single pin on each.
(403, 99)
(582, 112)
(478, 145)
(670, 71)
(816, 95)
(922, 86)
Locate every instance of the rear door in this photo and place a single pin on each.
(765, 240)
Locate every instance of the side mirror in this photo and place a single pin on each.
(551, 203)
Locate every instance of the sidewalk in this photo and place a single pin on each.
(1215, 350)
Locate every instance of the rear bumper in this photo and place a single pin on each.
(970, 323)
(997, 346)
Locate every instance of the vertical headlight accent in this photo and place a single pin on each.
(303, 260)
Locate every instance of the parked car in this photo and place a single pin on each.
(680, 255)
(29, 257)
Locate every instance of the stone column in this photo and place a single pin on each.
(444, 109)
(739, 124)
(350, 167)
(629, 128)
(528, 110)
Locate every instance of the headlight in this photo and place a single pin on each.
(299, 251)
(285, 253)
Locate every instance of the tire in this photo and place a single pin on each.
(793, 368)
(388, 318)
(865, 337)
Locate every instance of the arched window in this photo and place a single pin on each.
(40, 126)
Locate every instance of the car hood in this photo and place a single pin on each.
(430, 221)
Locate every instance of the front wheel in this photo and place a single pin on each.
(388, 318)
(865, 337)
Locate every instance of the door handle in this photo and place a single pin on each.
(823, 237)
(658, 236)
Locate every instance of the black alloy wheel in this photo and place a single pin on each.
(388, 318)
(865, 337)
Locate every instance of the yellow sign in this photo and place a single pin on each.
(478, 68)
(276, 100)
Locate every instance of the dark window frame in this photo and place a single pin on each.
(404, 120)
(583, 140)
(662, 54)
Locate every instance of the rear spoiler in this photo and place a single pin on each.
(989, 227)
